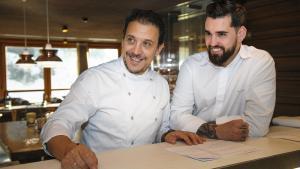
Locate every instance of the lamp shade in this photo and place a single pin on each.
(48, 58)
(25, 59)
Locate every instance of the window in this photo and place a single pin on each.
(28, 82)
(63, 77)
(31, 96)
(60, 94)
(21, 78)
(97, 56)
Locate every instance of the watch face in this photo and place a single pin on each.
(208, 130)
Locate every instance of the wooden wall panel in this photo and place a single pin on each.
(47, 84)
(274, 26)
(286, 109)
(287, 64)
(2, 73)
(285, 46)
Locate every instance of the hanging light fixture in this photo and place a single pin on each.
(25, 57)
(65, 29)
(48, 57)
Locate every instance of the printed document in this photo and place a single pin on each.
(213, 149)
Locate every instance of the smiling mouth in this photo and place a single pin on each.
(216, 50)
(135, 58)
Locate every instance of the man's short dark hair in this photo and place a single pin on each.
(145, 17)
(221, 8)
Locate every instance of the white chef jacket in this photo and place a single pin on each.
(245, 88)
(121, 109)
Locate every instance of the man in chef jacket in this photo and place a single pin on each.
(121, 103)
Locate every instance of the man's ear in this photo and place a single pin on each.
(159, 49)
(242, 32)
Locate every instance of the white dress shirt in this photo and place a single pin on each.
(120, 109)
(243, 89)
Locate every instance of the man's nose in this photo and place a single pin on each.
(137, 49)
(213, 41)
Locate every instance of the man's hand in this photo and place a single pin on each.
(79, 157)
(71, 155)
(235, 130)
(188, 137)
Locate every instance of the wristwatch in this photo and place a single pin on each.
(208, 129)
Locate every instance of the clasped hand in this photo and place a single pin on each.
(235, 130)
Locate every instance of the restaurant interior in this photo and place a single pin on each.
(80, 34)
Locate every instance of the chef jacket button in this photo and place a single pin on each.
(131, 118)
(129, 93)
(155, 119)
(132, 142)
(154, 97)
(124, 74)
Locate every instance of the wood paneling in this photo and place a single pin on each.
(274, 26)
(47, 85)
(82, 49)
(2, 72)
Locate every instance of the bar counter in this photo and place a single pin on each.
(277, 153)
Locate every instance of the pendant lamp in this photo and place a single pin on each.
(25, 56)
(48, 57)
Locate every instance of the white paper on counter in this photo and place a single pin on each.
(212, 150)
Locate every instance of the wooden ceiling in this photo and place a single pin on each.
(105, 17)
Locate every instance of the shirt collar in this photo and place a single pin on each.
(146, 75)
(243, 53)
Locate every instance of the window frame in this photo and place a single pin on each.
(47, 71)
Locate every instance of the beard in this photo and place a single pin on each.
(219, 60)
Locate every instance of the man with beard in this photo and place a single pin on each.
(227, 92)
(120, 104)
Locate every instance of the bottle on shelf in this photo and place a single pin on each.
(45, 99)
(7, 100)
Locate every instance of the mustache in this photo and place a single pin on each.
(211, 47)
(131, 54)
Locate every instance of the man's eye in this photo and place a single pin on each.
(130, 40)
(147, 44)
(222, 34)
(207, 34)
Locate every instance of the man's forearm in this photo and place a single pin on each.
(59, 146)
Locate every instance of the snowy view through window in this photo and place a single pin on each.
(20, 79)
